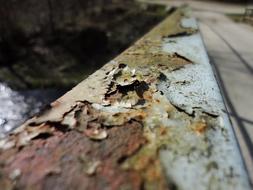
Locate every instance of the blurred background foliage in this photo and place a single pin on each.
(57, 43)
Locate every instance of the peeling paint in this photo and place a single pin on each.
(199, 90)
(151, 118)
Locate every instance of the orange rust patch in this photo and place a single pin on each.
(163, 130)
(199, 127)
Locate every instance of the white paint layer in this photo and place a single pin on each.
(195, 90)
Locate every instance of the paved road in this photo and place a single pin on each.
(202, 5)
(230, 49)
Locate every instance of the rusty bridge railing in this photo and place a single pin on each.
(152, 118)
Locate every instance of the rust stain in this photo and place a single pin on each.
(199, 127)
(70, 160)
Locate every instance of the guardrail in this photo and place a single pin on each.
(152, 118)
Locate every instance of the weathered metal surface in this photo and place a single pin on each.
(150, 119)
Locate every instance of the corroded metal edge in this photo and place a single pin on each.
(152, 118)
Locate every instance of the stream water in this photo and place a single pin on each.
(18, 106)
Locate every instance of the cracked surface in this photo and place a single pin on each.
(120, 129)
